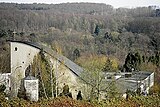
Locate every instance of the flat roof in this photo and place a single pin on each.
(131, 82)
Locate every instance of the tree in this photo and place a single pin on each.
(112, 91)
(3, 33)
(76, 54)
(22, 91)
(157, 12)
(107, 35)
(155, 42)
(94, 77)
(132, 62)
(41, 69)
(2, 88)
(108, 66)
(97, 30)
(138, 60)
(157, 58)
(4, 58)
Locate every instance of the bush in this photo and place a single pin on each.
(2, 88)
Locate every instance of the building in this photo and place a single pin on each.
(5, 79)
(67, 72)
(22, 55)
(132, 81)
(31, 87)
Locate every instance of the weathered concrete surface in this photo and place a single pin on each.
(22, 55)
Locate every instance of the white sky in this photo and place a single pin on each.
(115, 3)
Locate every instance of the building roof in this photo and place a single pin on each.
(30, 78)
(76, 69)
(128, 83)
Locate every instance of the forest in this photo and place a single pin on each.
(84, 32)
(90, 28)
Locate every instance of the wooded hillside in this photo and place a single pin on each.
(88, 28)
(98, 37)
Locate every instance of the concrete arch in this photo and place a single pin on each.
(22, 54)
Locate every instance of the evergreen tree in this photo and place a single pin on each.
(138, 60)
(76, 54)
(132, 62)
(157, 58)
(129, 63)
(97, 30)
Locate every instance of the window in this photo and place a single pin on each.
(15, 49)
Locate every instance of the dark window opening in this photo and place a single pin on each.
(15, 48)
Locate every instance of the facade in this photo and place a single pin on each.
(22, 55)
(66, 73)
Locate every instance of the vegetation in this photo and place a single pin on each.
(94, 76)
(2, 88)
(71, 26)
(100, 40)
(97, 30)
(132, 62)
(4, 57)
(42, 69)
(56, 102)
(136, 101)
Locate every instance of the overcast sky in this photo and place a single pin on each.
(115, 3)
